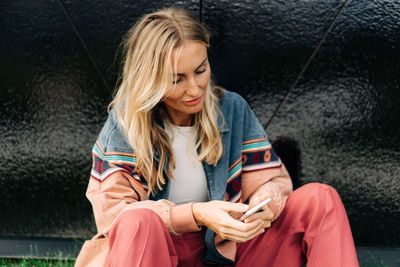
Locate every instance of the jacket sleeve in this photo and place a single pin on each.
(115, 187)
(263, 173)
(269, 183)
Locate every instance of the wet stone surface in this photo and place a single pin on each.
(344, 113)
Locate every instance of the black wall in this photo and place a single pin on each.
(344, 113)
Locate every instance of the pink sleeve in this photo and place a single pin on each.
(120, 192)
(274, 183)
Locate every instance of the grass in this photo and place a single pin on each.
(36, 262)
(50, 258)
(371, 261)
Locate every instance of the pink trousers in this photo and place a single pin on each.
(313, 228)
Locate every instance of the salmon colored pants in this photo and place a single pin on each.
(313, 228)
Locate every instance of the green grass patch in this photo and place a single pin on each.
(372, 261)
(36, 262)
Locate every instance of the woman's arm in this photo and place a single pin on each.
(121, 192)
(277, 185)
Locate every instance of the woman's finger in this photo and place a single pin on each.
(267, 224)
(255, 227)
(214, 215)
(244, 239)
(266, 215)
(231, 224)
(232, 207)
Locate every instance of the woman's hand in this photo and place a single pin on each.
(265, 215)
(216, 216)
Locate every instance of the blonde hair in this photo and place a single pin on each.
(146, 77)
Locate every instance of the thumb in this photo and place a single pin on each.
(235, 207)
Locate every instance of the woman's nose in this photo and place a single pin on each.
(193, 88)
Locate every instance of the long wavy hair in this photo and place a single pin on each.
(146, 78)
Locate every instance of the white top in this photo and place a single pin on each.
(190, 182)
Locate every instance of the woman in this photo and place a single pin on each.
(179, 161)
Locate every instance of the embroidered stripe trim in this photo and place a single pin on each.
(263, 166)
(255, 140)
(261, 145)
(114, 157)
(234, 172)
(103, 176)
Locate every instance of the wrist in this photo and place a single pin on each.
(196, 213)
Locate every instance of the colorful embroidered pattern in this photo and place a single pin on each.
(256, 145)
(108, 163)
(257, 155)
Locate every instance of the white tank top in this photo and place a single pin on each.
(189, 183)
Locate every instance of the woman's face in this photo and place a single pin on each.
(193, 75)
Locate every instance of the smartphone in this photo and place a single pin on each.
(255, 209)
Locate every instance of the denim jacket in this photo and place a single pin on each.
(248, 166)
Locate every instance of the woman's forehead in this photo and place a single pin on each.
(188, 56)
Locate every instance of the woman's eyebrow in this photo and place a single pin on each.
(201, 64)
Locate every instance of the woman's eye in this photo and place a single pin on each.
(201, 71)
(177, 81)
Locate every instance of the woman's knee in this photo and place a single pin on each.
(136, 236)
(135, 219)
(317, 191)
(314, 198)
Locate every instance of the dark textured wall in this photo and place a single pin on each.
(344, 112)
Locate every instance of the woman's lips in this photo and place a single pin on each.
(193, 102)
